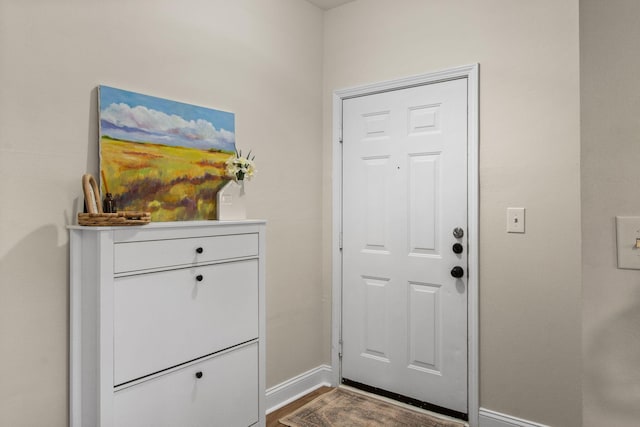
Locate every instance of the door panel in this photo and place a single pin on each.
(376, 196)
(404, 191)
(375, 318)
(423, 326)
(423, 204)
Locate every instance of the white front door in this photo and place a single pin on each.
(404, 319)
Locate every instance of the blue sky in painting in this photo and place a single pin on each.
(136, 117)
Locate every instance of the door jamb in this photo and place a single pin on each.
(471, 73)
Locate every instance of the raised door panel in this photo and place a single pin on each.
(424, 326)
(376, 322)
(168, 318)
(226, 394)
(424, 206)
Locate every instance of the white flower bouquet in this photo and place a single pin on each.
(238, 167)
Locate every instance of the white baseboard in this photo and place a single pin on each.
(490, 418)
(296, 387)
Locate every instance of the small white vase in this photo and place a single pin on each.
(231, 201)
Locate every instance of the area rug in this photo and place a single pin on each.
(344, 408)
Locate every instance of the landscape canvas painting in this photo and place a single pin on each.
(162, 156)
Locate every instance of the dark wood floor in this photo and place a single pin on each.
(272, 418)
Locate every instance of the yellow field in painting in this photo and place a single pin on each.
(173, 183)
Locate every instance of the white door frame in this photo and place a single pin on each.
(471, 73)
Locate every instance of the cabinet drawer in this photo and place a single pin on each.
(163, 319)
(145, 255)
(225, 395)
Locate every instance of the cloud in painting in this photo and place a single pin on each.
(142, 124)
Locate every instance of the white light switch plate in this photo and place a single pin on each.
(515, 220)
(627, 233)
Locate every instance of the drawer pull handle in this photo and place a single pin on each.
(199, 250)
(199, 277)
(199, 374)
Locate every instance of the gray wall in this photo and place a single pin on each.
(610, 69)
(261, 60)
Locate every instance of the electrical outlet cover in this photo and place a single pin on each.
(515, 220)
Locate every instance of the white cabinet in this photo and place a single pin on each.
(167, 325)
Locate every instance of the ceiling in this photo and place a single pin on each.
(328, 4)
